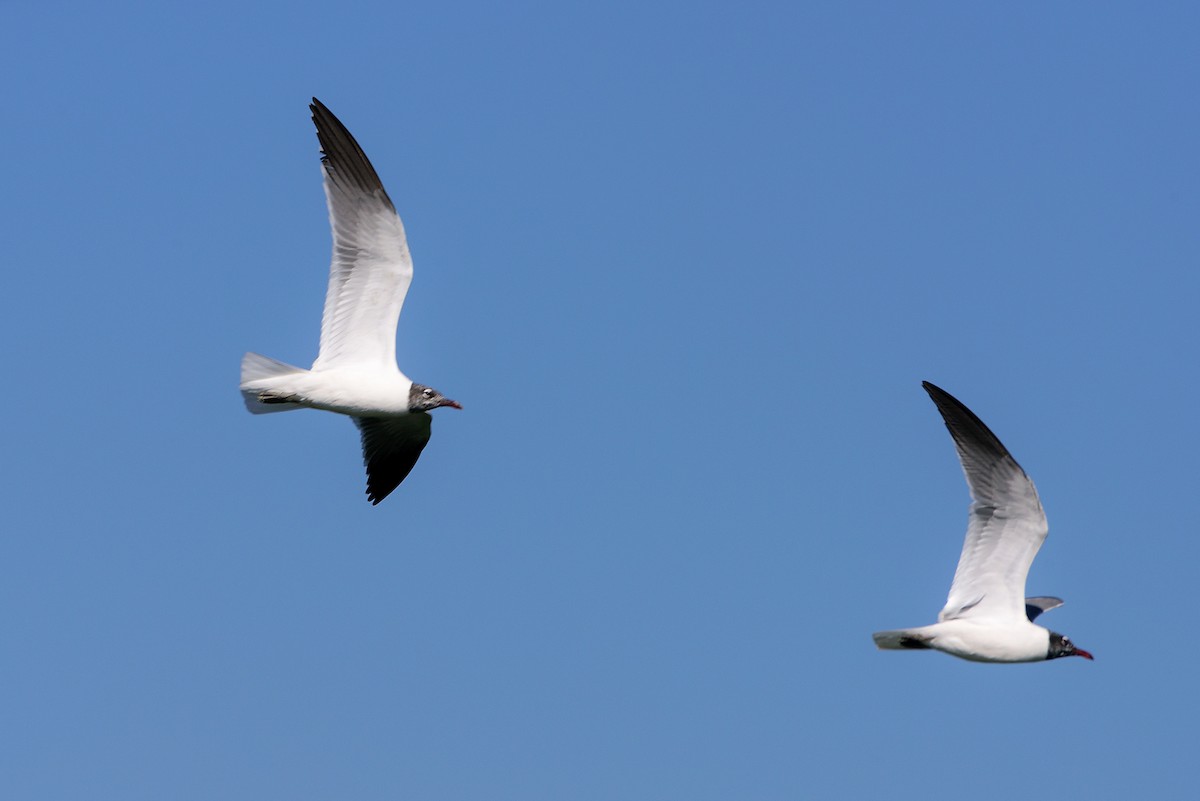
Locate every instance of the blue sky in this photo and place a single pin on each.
(685, 266)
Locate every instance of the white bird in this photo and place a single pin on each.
(987, 617)
(355, 372)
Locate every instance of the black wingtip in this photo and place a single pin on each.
(935, 391)
(963, 424)
(380, 487)
(376, 492)
(344, 160)
(316, 107)
(941, 397)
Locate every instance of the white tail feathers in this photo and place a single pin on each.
(258, 368)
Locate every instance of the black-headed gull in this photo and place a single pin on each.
(987, 617)
(355, 372)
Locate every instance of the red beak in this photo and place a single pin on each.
(457, 405)
(1084, 654)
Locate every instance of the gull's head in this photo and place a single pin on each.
(422, 398)
(1061, 646)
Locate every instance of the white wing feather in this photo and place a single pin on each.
(1006, 524)
(371, 268)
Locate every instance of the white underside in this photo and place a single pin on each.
(979, 640)
(361, 391)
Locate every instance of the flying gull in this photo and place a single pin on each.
(987, 617)
(355, 373)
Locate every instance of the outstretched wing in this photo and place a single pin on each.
(371, 268)
(1006, 525)
(391, 447)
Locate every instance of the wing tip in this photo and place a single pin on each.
(936, 392)
(1038, 604)
(964, 425)
(343, 159)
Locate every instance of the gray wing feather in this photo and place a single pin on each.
(1042, 603)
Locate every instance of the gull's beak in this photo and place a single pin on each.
(457, 405)
(1083, 653)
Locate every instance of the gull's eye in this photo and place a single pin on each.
(428, 392)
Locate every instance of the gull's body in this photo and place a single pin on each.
(987, 617)
(355, 372)
(347, 390)
(976, 640)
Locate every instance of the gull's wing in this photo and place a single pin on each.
(1006, 524)
(1042, 603)
(391, 446)
(371, 268)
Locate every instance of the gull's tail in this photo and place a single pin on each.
(901, 640)
(257, 372)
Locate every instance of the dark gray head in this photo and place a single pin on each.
(422, 398)
(1061, 646)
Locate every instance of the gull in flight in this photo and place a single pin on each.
(355, 373)
(987, 617)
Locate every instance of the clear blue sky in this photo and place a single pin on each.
(686, 267)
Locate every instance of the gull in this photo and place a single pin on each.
(987, 617)
(355, 372)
